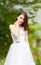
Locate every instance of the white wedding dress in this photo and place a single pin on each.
(19, 52)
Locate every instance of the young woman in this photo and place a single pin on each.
(19, 52)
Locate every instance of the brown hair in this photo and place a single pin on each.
(25, 23)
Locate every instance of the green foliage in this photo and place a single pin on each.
(8, 16)
(35, 41)
(5, 37)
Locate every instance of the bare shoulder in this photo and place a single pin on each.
(26, 33)
(11, 26)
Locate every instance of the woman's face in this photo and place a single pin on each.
(20, 19)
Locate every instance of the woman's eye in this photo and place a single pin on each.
(21, 17)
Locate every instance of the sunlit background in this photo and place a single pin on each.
(8, 12)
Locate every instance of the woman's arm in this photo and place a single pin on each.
(13, 30)
(26, 36)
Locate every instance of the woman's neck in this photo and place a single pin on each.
(18, 24)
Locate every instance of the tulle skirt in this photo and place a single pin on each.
(19, 54)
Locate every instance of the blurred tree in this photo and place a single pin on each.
(8, 15)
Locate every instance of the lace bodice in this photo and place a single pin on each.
(21, 35)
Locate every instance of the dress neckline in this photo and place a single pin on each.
(21, 28)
